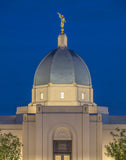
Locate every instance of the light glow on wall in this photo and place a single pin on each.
(83, 95)
(62, 95)
(42, 96)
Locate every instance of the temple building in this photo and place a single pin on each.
(62, 122)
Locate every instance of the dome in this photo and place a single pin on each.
(62, 66)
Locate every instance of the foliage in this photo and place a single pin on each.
(117, 148)
(10, 147)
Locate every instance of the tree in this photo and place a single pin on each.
(117, 148)
(10, 147)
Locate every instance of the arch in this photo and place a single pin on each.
(51, 136)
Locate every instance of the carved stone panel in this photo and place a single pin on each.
(62, 133)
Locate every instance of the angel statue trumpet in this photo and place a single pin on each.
(62, 22)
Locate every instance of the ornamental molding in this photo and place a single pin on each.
(62, 133)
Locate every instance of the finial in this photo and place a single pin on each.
(62, 40)
(62, 22)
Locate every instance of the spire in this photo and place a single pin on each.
(62, 40)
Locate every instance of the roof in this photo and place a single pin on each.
(62, 66)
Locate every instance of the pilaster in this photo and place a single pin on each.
(39, 133)
(99, 137)
(29, 137)
(85, 133)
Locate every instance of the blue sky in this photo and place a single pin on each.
(96, 30)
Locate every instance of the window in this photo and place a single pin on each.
(62, 95)
(83, 96)
(42, 96)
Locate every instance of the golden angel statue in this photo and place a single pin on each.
(62, 22)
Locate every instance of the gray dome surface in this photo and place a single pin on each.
(62, 66)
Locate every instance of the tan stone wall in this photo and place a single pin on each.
(36, 93)
(29, 137)
(52, 94)
(70, 121)
(75, 124)
(93, 140)
(95, 137)
(87, 90)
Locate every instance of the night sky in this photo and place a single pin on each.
(96, 30)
